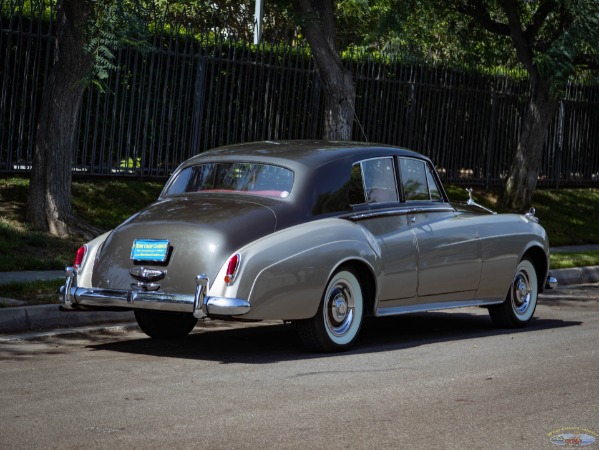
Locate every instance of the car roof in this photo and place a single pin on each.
(299, 153)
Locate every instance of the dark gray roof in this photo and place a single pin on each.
(303, 152)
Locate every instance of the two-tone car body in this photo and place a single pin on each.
(318, 233)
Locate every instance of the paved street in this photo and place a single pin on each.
(432, 381)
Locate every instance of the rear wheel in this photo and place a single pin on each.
(164, 324)
(519, 306)
(336, 325)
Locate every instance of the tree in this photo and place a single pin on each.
(317, 21)
(86, 32)
(49, 201)
(552, 39)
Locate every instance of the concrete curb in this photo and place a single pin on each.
(44, 317)
(15, 318)
(576, 275)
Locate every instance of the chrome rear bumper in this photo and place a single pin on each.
(75, 298)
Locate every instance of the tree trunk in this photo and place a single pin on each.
(318, 24)
(524, 172)
(49, 202)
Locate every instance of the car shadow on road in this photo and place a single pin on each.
(265, 344)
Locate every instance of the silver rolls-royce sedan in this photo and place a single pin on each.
(321, 234)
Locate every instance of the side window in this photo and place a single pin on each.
(418, 181)
(373, 181)
(414, 179)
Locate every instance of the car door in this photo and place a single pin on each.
(449, 248)
(374, 195)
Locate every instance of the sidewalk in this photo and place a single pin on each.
(17, 318)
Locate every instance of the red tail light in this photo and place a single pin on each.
(232, 268)
(80, 257)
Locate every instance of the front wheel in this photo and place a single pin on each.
(164, 325)
(519, 306)
(336, 325)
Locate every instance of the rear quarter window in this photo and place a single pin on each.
(373, 181)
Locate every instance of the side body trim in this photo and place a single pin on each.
(396, 310)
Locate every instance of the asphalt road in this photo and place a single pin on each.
(429, 381)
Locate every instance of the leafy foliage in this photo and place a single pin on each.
(114, 24)
(28, 8)
(561, 35)
(572, 48)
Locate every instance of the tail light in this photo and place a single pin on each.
(80, 257)
(232, 267)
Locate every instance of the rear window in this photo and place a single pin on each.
(238, 177)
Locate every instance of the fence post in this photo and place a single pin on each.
(490, 139)
(560, 144)
(198, 106)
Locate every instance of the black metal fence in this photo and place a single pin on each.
(196, 91)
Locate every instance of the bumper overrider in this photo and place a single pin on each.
(551, 282)
(74, 298)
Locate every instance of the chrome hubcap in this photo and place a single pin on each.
(339, 311)
(339, 308)
(521, 292)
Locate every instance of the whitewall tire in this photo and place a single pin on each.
(519, 306)
(336, 325)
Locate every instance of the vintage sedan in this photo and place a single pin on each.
(321, 234)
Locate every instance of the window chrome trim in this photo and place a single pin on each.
(398, 212)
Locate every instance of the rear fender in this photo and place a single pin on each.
(84, 274)
(283, 275)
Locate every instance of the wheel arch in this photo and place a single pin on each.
(366, 277)
(537, 256)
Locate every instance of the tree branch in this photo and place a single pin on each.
(538, 19)
(476, 10)
(521, 43)
(566, 20)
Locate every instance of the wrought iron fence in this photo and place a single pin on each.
(197, 91)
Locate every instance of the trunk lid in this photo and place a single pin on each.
(202, 231)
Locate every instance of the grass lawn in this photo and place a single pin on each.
(103, 203)
(570, 216)
(32, 293)
(567, 260)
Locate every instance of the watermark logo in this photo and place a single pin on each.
(573, 437)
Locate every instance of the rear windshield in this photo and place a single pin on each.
(247, 178)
